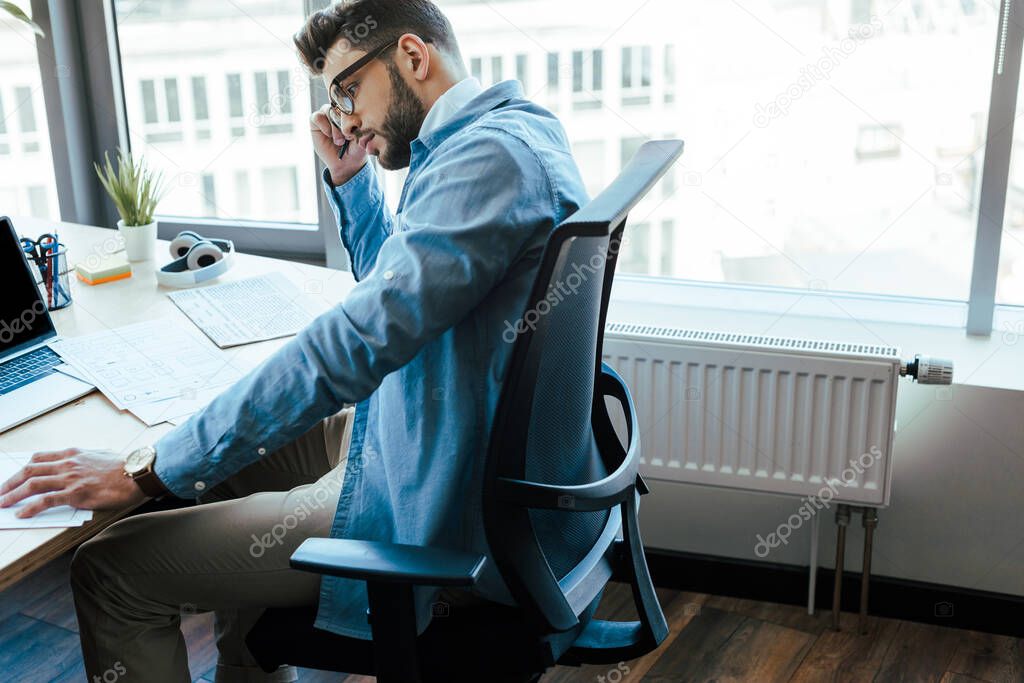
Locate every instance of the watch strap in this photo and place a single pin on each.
(150, 483)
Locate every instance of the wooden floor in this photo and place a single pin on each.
(712, 639)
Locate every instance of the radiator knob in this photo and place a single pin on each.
(928, 370)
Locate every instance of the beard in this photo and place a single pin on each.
(402, 125)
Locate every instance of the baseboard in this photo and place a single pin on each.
(895, 598)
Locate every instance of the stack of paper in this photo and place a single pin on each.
(155, 369)
(60, 516)
(247, 311)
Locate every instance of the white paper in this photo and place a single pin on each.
(146, 362)
(173, 409)
(55, 517)
(66, 369)
(247, 311)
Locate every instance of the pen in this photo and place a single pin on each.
(343, 149)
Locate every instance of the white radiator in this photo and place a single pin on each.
(769, 414)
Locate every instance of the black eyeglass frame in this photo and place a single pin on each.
(345, 74)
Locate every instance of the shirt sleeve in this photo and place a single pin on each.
(363, 218)
(482, 202)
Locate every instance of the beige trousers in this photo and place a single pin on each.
(229, 554)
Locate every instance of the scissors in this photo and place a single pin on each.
(39, 249)
(42, 251)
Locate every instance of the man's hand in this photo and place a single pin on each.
(91, 480)
(327, 141)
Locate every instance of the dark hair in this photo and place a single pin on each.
(369, 24)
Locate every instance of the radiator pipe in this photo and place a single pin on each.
(842, 521)
(870, 521)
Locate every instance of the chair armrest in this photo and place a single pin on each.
(387, 562)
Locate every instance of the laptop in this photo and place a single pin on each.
(30, 385)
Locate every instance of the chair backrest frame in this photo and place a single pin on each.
(511, 535)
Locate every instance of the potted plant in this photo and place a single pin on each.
(16, 12)
(136, 191)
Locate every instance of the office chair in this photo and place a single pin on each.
(559, 487)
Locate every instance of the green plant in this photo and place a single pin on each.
(18, 14)
(135, 189)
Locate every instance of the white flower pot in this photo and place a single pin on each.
(139, 241)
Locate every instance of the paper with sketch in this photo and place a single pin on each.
(60, 516)
(146, 362)
(175, 410)
(247, 311)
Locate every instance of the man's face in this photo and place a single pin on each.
(388, 114)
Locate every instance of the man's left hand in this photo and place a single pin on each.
(91, 480)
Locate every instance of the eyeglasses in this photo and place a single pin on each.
(343, 99)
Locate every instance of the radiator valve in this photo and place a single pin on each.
(928, 370)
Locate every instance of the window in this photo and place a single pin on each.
(23, 95)
(628, 147)
(24, 98)
(553, 72)
(488, 70)
(199, 104)
(670, 74)
(212, 110)
(27, 186)
(201, 108)
(590, 157)
(273, 104)
(522, 71)
(173, 110)
(38, 200)
(879, 141)
(873, 188)
(262, 92)
(243, 194)
(280, 191)
(636, 76)
(667, 248)
(587, 78)
(634, 253)
(209, 195)
(236, 105)
(149, 114)
(5, 147)
(161, 110)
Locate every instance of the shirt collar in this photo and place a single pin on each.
(448, 104)
(485, 101)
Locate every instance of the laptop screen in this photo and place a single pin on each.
(24, 320)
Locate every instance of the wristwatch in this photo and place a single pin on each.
(138, 467)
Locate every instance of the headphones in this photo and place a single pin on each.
(196, 260)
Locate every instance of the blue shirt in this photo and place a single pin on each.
(420, 344)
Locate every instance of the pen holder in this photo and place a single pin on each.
(53, 279)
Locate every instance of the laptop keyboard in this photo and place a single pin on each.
(26, 369)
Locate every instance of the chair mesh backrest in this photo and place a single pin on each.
(560, 446)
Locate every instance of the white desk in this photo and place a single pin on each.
(93, 421)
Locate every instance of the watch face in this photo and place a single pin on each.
(138, 461)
